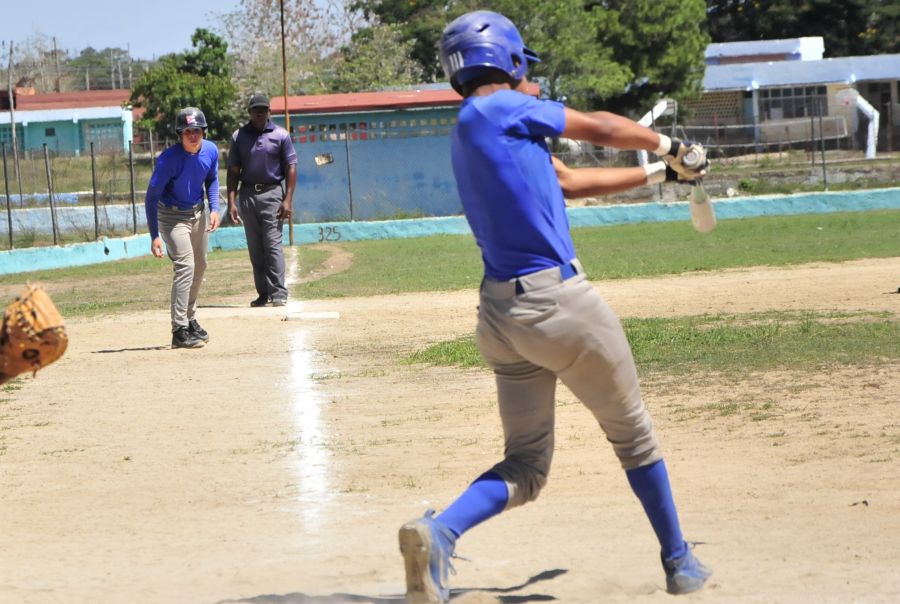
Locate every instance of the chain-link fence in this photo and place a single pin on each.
(51, 198)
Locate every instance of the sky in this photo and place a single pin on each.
(77, 24)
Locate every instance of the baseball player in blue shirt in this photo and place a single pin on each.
(539, 318)
(177, 214)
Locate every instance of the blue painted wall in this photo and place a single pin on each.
(32, 259)
(386, 164)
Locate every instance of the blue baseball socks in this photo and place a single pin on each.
(485, 497)
(651, 485)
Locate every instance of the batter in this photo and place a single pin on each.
(539, 317)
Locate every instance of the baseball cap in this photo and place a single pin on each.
(258, 100)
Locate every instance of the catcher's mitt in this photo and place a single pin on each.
(32, 334)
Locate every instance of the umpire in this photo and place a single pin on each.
(262, 159)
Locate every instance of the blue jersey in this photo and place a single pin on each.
(179, 180)
(509, 189)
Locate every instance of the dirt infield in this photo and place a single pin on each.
(275, 465)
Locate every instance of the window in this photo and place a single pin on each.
(793, 103)
(49, 131)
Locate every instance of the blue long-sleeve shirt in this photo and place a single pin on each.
(179, 179)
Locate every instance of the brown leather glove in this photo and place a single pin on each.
(32, 334)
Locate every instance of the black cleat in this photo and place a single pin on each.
(261, 301)
(197, 331)
(183, 338)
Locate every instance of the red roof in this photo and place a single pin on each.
(353, 102)
(72, 100)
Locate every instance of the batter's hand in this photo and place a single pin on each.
(213, 222)
(156, 247)
(687, 170)
(284, 210)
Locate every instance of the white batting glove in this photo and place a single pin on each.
(686, 158)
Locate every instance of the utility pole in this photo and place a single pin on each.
(56, 57)
(12, 103)
(12, 121)
(287, 115)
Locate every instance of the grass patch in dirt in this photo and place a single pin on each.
(732, 343)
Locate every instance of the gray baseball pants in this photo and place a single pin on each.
(186, 239)
(555, 328)
(259, 211)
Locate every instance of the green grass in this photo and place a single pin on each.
(391, 266)
(452, 262)
(133, 285)
(732, 343)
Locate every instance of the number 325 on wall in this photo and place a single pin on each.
(329, 233)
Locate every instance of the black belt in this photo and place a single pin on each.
(260, 187)
(193, 208)
(566, 271)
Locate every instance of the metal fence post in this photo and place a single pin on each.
(50, 196)
(349, 173)
(6, 187)
(131, 172)
(94, 188)
(822, 139)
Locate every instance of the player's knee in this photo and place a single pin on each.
(635, 457)
(525, 476)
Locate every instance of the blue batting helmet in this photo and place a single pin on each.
(483, 40)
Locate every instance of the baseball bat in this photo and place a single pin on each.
(703, 217)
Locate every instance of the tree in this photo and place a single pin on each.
(99, 69)
(375, 59)
(420, 22)
(314, 31)
(849, 27)
(614, 54)
(199, 78)
(661, 44)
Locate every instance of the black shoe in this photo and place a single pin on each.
(183, 338)
(197, 331)
(261, 301)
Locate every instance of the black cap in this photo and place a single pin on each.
(258, 100)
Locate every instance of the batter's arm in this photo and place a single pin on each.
(610, 130)
(577, 183)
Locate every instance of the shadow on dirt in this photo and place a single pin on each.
(503, 595)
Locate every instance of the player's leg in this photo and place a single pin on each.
(525, 394)
(253, 230)
(199, 247)
(604, 378)
(267, 205)
(175, 231)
